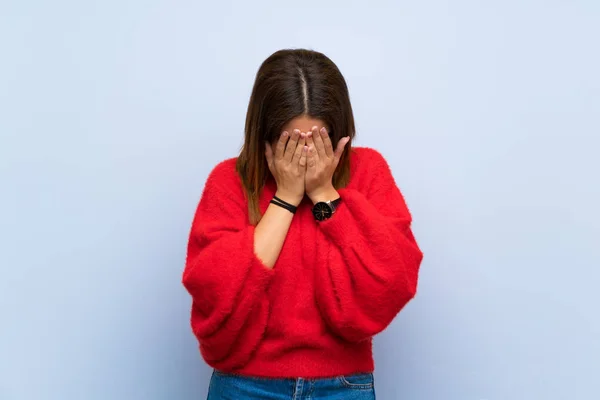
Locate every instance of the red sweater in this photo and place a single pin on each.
(335, 284)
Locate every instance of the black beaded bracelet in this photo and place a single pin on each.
(290, 207)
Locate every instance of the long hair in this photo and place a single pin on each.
(292, 83)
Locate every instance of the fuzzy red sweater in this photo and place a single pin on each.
(335, 284)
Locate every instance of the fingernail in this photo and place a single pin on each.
(323, 131)
(305, 149)
(285, 134)
(302, 135)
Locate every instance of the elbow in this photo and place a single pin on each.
(189, 279)
(410, 277)
(186, 279)
(370, 322)
(411, 292)
(390, 303)
(358, 331)
(407, 289)
(363, 330)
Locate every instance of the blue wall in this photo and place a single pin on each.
(112, 114)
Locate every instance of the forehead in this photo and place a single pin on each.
(303, 123)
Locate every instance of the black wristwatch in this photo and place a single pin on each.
(325, 209)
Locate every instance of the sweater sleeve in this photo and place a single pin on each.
(226, 280)
(368, 259)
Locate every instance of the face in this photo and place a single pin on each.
(303, 123)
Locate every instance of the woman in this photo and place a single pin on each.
(300, 249)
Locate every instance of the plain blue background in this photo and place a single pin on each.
(112, 114)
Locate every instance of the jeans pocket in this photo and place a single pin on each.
(357, 381)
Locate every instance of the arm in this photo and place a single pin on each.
(228, 269)
(368, 260)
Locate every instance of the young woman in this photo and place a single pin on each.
(301, 248)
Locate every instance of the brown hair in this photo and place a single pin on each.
(288, 84)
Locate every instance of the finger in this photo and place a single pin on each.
(291, 146)
(311, 157)
(302, 161)
(268, 152)
(327, 142)
(340, 148)
(280, 149)
(269, 156)
(299, 148)
(310, 142)
(319, 145)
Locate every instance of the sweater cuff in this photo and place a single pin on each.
(341, 226)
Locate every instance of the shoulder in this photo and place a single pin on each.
(370, 170)
(368, 160)
(224, 180)
(367, 153)
(222, 196)
(224, 171)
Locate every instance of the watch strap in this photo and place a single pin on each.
(284, 204)
(335, 203)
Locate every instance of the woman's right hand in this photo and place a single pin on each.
(288, 165)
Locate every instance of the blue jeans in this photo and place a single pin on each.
(235, 387)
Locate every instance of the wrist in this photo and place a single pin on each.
(323, 194)
(288, 198)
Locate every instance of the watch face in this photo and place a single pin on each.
(322, 211)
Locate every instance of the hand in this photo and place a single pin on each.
(322, 161)
(288, 165)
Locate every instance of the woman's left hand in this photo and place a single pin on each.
(321, 163)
